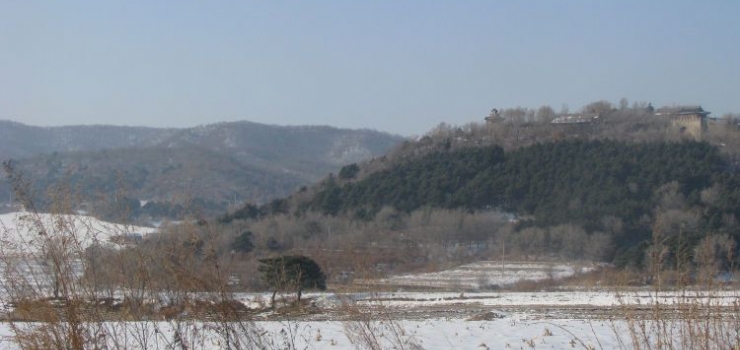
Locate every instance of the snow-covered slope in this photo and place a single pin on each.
(26, 232)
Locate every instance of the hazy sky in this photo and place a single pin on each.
(397, 66)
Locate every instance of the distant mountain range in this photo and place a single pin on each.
(214, 165)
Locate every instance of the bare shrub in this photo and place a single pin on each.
(373, 327)
(702, 316)
(69, 287)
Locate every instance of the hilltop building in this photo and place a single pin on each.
(581, 118)
(494, 117)
(688, 120)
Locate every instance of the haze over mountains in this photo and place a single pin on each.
(213, 165)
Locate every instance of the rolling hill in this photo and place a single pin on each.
(205, 168)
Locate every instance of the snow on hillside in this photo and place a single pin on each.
(20, 231)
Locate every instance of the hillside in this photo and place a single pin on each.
(21, 141)
(605, 191)
(570, 181)
(202, 170)
(598, 200)
(308, 152)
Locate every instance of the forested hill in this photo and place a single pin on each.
(579, 182)
(169, 173)
(605, 191)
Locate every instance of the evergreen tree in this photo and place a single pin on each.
(291, 273)
(243, 242)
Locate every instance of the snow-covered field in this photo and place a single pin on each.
(428, 334)
(20, 231)
(460, 319)
(557, 299)
(481, 275)
(541, 320)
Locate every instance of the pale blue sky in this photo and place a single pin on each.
(397, 66)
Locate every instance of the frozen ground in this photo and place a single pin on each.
(480, 275)
(509, 333)
(432, 320)
(541, 320)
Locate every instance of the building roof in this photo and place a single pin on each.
(681, 110)
(494, 116)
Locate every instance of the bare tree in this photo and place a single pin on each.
(545, 114)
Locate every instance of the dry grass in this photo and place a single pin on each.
(70, 290)
(699, 315)
(695, 320)
(372, 327)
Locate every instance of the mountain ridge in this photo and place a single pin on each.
(218, 164)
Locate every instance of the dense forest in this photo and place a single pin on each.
(577, 182)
